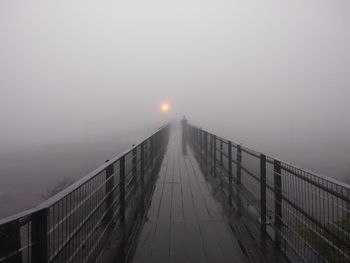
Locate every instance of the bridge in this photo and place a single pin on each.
(187, 195)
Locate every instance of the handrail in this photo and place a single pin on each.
(255, 153)
(96, 202)
(47, 203)
(306, 214)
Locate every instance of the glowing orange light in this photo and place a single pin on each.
(165, 107)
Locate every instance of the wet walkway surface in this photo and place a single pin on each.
(186, 222)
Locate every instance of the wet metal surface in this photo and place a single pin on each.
(186, 222)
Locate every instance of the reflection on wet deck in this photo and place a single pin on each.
(188, 220)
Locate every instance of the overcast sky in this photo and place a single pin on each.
(273, 74)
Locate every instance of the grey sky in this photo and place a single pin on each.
(272, 74)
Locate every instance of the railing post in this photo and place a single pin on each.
(206, 147)
(146, 154)
(278, 200)
(39, 233)
(142, 175)
(142, 169)
(159, 144)
(198, 140)
(10, 241)
(134, 169)
(195, 138)
(229, 161)
(122, 189)
(152, 150)
(239, 161)
(110, 195)
(263, 192)
(214, 154)
(200, 144)
(134, 161)
(210, 154)
(221, 150)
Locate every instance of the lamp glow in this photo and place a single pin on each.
(165, 107)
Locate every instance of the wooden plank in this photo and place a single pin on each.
(228, 243)
(165, 204)
(177, 176)
(178, 248)
(247, 244)
(161, 244)
(188, 204)
(153, 211)
(211, 243)
(144, 245)
(170, 169)
(187, 221)
(195, 242)
(213, 206)
(177, 213)
(199, 204)
(163, 171)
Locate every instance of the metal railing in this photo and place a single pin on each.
(75, 224)
(307, 215)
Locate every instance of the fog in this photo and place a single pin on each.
(272, 75)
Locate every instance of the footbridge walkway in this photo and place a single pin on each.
(186, 195)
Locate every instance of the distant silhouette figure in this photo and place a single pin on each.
(184, 135)
(184, 121)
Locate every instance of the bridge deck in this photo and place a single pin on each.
(186, 222)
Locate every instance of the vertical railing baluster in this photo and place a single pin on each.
(210, 162)
(263, 192)
(206, 150)
(239, 161)
(278, 200)
(10, 239)
(146, 155)
(39, 234)
(134, 172)
(152, 150)
(110, 195)
(198, 140)
(229, 162)
(214, 155)
(122, 189)
(142, 175)
(142, 166)
(221, 152)
(134, 162)
(238, 178)
(199, 143)
(201, 147)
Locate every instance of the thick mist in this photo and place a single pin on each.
(272, 75)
